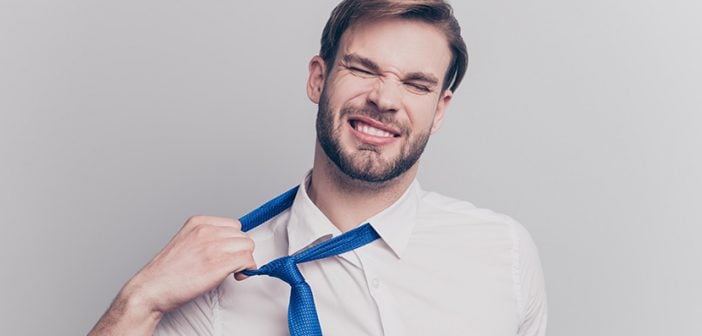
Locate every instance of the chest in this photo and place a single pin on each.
(433, 289)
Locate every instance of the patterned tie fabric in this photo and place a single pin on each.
(302, 314)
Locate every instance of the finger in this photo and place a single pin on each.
(213, 220)
(240, 252)
(241, 276)
(237, 252)
(237, 245)
(229, 232)
(249, 264)
(206, 233)
(224, 221)
(232, 255)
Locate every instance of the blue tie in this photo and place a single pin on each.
(302, 314)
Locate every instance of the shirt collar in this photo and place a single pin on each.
(308, 225)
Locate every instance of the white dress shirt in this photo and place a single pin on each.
(441, 267)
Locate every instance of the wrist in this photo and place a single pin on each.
(137, 305)
(129, 314)
(136, 300)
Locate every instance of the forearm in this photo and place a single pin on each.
(127, 316)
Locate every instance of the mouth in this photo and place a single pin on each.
(372, 127)
(371, 131)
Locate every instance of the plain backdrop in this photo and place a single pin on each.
(120, 119)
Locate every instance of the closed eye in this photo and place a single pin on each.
(418, 87)
(360, 71)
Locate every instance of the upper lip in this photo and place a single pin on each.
(375, 124)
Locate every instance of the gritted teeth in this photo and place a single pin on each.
(368, 129)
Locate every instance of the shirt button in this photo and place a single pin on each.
(375, 283)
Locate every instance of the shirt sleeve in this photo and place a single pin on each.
(193, 318)
(529, 283)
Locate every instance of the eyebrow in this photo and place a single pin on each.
(420, 76)
(368, 63)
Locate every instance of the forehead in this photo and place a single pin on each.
(399, 45)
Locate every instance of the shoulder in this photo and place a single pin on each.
(477, 226)
(460, 212)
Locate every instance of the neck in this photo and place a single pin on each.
(347, 202)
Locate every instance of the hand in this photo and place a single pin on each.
(198, 258)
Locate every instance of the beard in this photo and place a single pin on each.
(366, 163)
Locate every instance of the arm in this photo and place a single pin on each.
(532, 289)
(197, 259)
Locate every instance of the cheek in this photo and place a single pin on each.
(421, 111)
(344, 90)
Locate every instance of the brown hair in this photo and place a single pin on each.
(436, 12)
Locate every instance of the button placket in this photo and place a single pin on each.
(375, 283)
(372, 267)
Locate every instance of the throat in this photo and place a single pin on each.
(347, 202)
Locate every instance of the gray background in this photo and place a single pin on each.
(119, 119)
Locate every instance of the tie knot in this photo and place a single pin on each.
(284, 268)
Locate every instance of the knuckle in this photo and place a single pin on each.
(242, 256)
(194, 220)
(248, 244)
(240, 246)
(237, 224)
(203, 230)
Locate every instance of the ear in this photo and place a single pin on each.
(315, 81)
(441, 107)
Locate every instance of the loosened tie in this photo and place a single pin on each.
(302, 314)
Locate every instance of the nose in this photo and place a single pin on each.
(385, 95)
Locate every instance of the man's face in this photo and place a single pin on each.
(383, 97)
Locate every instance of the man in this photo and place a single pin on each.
(385, 75)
